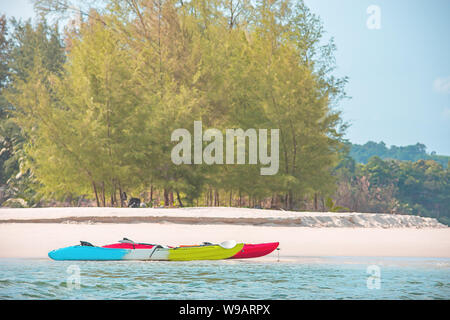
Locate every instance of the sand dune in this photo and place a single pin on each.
(216, 215)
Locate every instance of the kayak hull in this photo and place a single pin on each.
(210, 252)
(255, 250)
(88, 253)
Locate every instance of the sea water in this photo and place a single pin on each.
(290, 278)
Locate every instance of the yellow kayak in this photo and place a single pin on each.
(211, 252)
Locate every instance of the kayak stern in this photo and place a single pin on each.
(255, 250)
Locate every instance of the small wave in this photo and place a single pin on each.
(5, 282)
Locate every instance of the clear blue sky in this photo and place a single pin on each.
(399, 75)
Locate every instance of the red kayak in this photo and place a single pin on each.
(129, 246)
(255, 250)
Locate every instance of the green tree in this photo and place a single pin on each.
(141, 69)
(31, 48)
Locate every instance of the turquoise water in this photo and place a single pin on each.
(305, 278)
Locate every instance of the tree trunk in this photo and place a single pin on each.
(179, 199)
(113, 192)
(115, 195)
(216, 198)
(166, 197)
(103, 194)
(96, 194)
(171, 198)
(121, 195)
(291, 200)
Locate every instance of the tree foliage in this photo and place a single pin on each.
(403, 187)
(362, 153)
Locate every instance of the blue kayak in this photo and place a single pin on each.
(88, 253)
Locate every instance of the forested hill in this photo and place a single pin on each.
(362, 153)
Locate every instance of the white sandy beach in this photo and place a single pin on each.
(324, 234)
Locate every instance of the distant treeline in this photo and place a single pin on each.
(362, 153)
(399, 179)
(419, 187)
